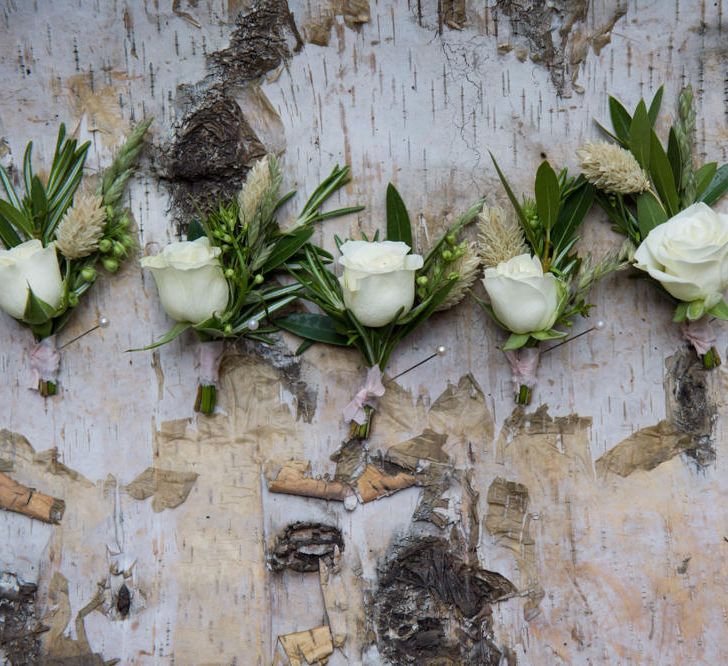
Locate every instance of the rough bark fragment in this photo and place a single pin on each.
(303, 546)
(374, 483)
(690, 407)
(433, 608)
(20, 629)
(644, 450)
(168, 488)
(311, 647)
(509, 522)
(336, 595)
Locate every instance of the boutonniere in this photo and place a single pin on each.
(385, 292)
(220, 281)
(535, 281)
(55, 236)
(662, 202)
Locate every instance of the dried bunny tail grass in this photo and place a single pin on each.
(613, 261)
(500, 236)
(467, 267)
(254, 190)
(82, 227)
(611, 168)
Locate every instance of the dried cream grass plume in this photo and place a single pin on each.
(467, 268)
(255, 189)
(611, 168)
(82, 227)
(500, 236)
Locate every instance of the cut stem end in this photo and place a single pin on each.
(206, 399)
(362, 431)
(47, 388)
(523, 397)
(711, 359)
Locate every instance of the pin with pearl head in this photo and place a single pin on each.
(441, 350)
(103, 322)
(598, 326)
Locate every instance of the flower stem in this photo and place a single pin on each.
(523, 397)
(206, 399)
(362, 431)
(711, 359)
(47, 387)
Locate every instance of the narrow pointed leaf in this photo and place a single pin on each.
(640, 138)
(663, 177)
(655, 106)
(399, 227)
(717, 187)
(174, 332)
(548, 195)
(311, 326)
(703, 177)
(621, 120)
(650, 213)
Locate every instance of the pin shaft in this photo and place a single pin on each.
(78, 337)
(573, 337)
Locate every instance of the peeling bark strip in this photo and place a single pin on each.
(294, 479)
(303, 546)
(16, 497)
(431, 607)
(20, 629)
(310, 647)
(168, 488)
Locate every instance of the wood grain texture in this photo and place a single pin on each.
(621, 555)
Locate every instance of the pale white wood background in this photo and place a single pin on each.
(398, 101)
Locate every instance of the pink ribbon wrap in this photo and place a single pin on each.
(699, 334)
(367, 395)
(524, 364)
(45, 360)
(210, 357)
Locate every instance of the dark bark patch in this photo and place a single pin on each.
(20, 629)
(431, 607)
(302, 545)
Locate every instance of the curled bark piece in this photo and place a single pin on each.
(294, 479)
(307, 647)
(374, 483)
(16, 497)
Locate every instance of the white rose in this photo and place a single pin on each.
(378, 280)
(29, 266)
(190, 280)
(688, 254)
(523, 298)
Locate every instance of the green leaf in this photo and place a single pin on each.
(681, 312)
(640, 131)
(703, 177)
(673, 154)
(285, 247)
(315, 327)
(27, 167)
(719, 311)
(303, 347)
(650, 213)
(195, 230)
(655, 106)
(399, 227)
(37, 311)
(16, 218)
(549, 335)
(8, 235)
(717, 187)
(612, 136)
(514, 202)
(174, 332)
(516, 341)
(663, 177)
(696, 309)
(621, 120)
(39, 201)
(572, 214)
(13, 197)
(548, 195)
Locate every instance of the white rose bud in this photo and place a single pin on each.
(190, 280)
(523, 298)
(378, 280)
(688, 254)
(29, 266)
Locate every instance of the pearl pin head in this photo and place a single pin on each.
(104, 322)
